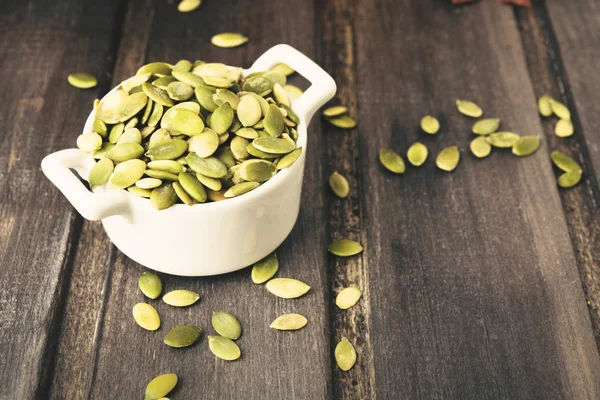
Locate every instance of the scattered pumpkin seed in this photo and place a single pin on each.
(544, 106)
(480, 147)
(486, 126)
(181, 298)
(229, 40)
(226, 325)
(348, 297)
(564, 162)
(344, 122)
(569, 179)
(224, 348)
(265, 269)
(160, 386)
(240, 188)
(560, 110)
(392, 161)
(564, 128)
(339, 185)
(345, 355)
(335, 111)
(345, 248)
(430, 124)
(526, 145)
(183, 336)
(100, 172)
(469, 108)
(287, 288)
(146, 316)
(188, 5)
(448, 158)
(163, 197)
(504, 140)
(417, 154)
(82, 80)
(289, 322)
(150, 284)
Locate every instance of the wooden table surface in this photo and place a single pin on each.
(483, 283)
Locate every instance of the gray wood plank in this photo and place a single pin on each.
(473, 283)
(40, 44)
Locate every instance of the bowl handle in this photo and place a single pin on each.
(322, 87)
(92, 206)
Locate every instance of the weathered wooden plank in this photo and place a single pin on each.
(547, 70)
(472, 273)
(40, 43)
(120, 358)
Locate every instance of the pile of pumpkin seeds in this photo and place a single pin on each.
(192, 133)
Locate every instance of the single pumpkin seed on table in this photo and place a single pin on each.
(226, 325)
(188, 5)
(430, 125)
(344, 122)
(564, 162)
(486, 126)
(82, 80)
(526, 145)
(345, 248)
(287, 288)
(335, 111)
(181, 298)
(448, 159)
(289, 322)
(544, 106)
(564, 128)
(345, 355)
(229, 40)
(224, 348)
(392, 161)
(265, 269)
(417, 154)
(150, 285)
(160, 386)
(100, 173)
(569, 179)
(348, 297)
(146, 316)
(560, 110)
(182, 336)
(503, 140)
(339, 185)
(480, 147)
(469, 108)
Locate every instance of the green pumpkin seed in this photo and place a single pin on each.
(156, 115)
(146, 316)
(168, 150)
(289, 158)
(289, 322)
(148, 183)
(160, 386)
(135, 82)
(163, 81)
(240, 189)
(334, 111)
(226, 325)
(265, 269)
(469, 108)
(181, 298)
(276, 77)
(222, 118)
(345, 248)
(210, 166)
(189, 78)
(89, 142)
(190, 106)
(448, 158)
(274, 124)
(115, 132)
(344, 122)
(392, 161)
(264, 105)
(291, 114)
(127, 173)
(139, 191)
(119, 106)
(293, 91)
(239, 147)
(503, 140)
(564, 162)
(226, 157)
(273, 145)
(249, 111)
(224, 348)
(100, 173)
(211, 183)
(147, 111)
(569, 179)
(228, 40)
(417, 154)
(166, 165)
(179, 120)
(257, 170)
(526, 145)
(204, 144)
(150, 284)
(157, 94)
(158, 174)
(480, 147)
(560, 110)
(430, 124)
(287, 288)
(348, 297)
(147, 131)
(339, 185)
(155, 68)
(247, 133)
(82, 80)
(283, 69)
(125, 151)
(259, 85)
(183, 336)
(101, 153)
(216, 196)
(564, 128)
(182, 65)
(100, 128)
(544, 105)
(345, 355)
(280, 95)
(163, 197)
(188, 5)
(486, 126)
(258, 153)
(192, 186)
(182, 194)
(204, 96)
(131, 135)
(180, 91)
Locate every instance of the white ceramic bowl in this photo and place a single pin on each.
(210, 238)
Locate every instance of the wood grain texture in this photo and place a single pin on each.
(547, 68)
(40, 44)
(472, 273)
